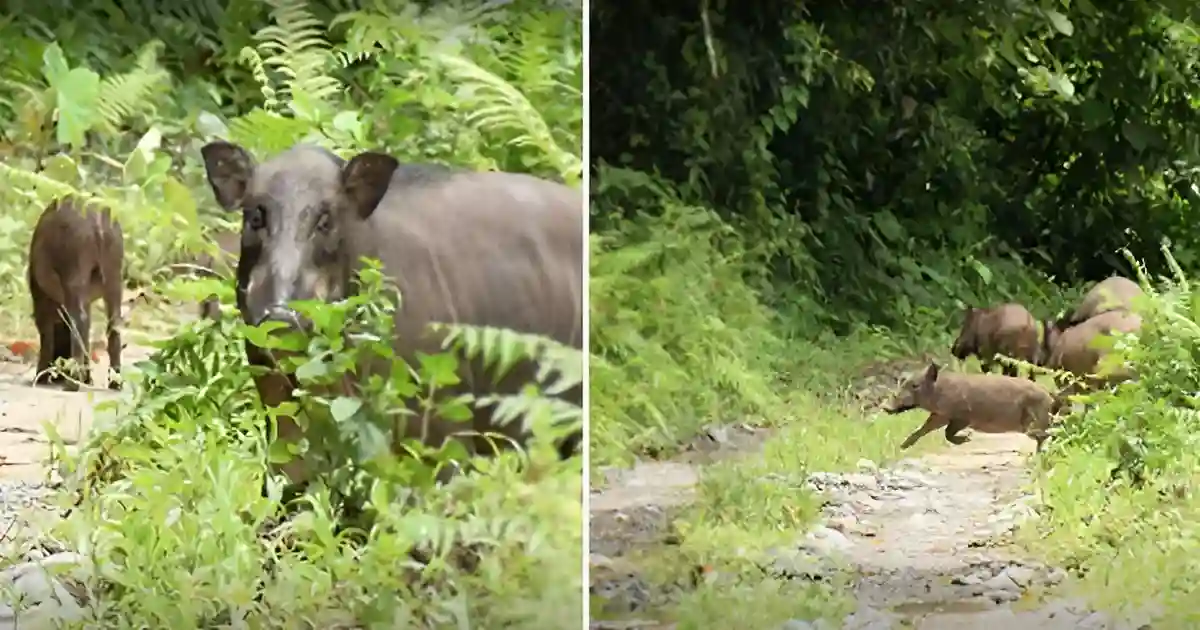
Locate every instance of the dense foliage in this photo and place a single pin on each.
(912, 142)
(113, 103)
(775, 186)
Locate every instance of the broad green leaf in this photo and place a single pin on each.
(77, 93)
(1060, 22)
(455, 411)
(1061, 84)
(372, 442)
(62, 168)
(1138, 134)
(281, 452)
(262, 334)
(888, 226)
(313, 369)
(180, 202)
(439, 369)
(344, 407)
(347, 122)
(54, 64)
(984, 272)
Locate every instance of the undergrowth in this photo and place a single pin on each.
(173, 481)
(682, 336)
(1118, 481)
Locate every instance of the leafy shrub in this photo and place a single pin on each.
(170, 485)
(670, 309)
(493, 88)
(1117, 479)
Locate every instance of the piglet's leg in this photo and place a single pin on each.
(932, 423)
(953, 428)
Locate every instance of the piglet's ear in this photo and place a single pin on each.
(365, 179)
(229, 169)
(931, 372)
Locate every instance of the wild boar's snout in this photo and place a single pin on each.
(902, 401)
(288, 275)
(282, 314)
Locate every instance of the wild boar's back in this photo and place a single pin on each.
(1072, 350)
(984, 398)
(1111, 294)
(75, 243)
(1010, 329)
(484, 249)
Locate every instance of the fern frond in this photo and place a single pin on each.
(504, 108)
(267, 132)
(258, 69)
(295, 46)
(501, 348)
(123, 96)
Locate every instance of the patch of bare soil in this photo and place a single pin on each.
(926, 543)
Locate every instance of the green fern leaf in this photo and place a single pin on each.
(124, 96)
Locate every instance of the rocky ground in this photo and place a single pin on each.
(925, 543)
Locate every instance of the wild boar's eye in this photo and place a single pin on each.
(324, 223)
(256, 218)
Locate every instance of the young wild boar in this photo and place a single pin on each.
(1115, 293)
(1006, 329)
(76, 256)
(990, 403)
(1071, 350)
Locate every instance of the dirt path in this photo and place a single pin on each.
(925, 541)
(24, 446)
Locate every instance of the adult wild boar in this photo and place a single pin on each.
(477, 248)
(1072, 351)
(76, 256)
(1006, 329)
(989, 403)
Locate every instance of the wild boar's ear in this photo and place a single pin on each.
(931, 373)
(365, 179)
(229, 168)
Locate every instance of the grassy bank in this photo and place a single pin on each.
(1120, 507)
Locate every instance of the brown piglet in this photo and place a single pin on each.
(989, 403)
(1005, 329)
(76, 256)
